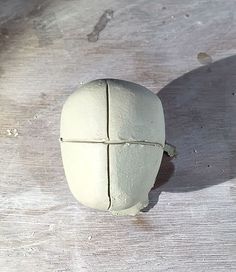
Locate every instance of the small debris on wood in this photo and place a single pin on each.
(204, 58)
(12, 132)
(100, 25)
(89, 237)
(51, 227)
(170, 150)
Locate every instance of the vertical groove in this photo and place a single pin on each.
(108, 146)
(108, 175)
(108, 114)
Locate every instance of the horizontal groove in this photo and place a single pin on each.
(111, 142)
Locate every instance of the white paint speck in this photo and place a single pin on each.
(12, 132)
(51, 227)
(89, 237)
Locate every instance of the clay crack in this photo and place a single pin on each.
(108, 144)
(112, 142)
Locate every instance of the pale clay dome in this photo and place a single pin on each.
(112, 140)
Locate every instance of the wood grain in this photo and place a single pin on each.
(44, 56)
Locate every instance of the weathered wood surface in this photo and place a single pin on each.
(49, 48)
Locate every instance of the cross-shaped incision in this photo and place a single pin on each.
(108, 141)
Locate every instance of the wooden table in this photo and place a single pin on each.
(185, 50)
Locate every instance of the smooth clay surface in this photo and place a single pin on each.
(112, 139)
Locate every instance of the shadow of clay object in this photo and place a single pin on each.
(112, 142)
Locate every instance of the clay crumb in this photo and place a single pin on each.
(89, 237)
(51, 227)
(12, 132)
(170, 150)
(195, 150)
(204, 58)
(100, 25)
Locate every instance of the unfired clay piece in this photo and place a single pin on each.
(112, 140)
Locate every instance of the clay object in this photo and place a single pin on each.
(112, 141)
